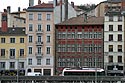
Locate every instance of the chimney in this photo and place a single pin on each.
(72, 4)
(31, 3)
(18, 9)
(55, 3)
(60, 10)
(4, 21)
(123, 4)
(85, 17)
(66, 9)
(39, 2)
(8, 9)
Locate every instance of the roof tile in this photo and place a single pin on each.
(82, 21)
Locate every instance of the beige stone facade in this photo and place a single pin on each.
(40, 44)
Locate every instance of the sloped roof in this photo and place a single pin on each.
(41, 7)
(82, 21)
(14, 31)
(114, 1)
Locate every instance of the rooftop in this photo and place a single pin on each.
(82, 21)
(14, 31)
(41, 7)
(44, 5)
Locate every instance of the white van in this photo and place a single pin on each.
(34, 74)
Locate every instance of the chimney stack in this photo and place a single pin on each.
(85, 17)
(8, 9)
(55, 3)
(60, 10)
(72, 4)
(123, 4)
(31, 3)
(39, 2)
(4, 21)
(18, 9)
(106, 8)
(66, 9)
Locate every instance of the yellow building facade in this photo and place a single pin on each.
(13, 51)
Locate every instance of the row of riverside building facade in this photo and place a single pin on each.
(43, 38)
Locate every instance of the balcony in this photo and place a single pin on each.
(114, 63)
(39, 55)
(39, 31)
(39, 43)
(2, 68)
(12, 68)
(115, 71)
(12, 57)
(22, 56)
(2, 57)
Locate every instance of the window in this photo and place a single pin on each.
(39, 50)
(110, 67)
(86, 34)
(110, 37)
(12, 53)
(79, 35)
(46, 72)
(30, 39)
(48, 16)
(120, 59)
(29, 61)
(48, 50)
(39, 27)
(90, 35)
(110, 27)
(2, 52)
(95, 35)
(21, 52)
(39, 38)
(21, 40)
(48, 27)
(30, 27)
(2, 65)
(73, 35)
(30, 50)
(12, 65)
(110, 58)
(110, 48)
(72, 48)
(48, 39)
(119, 27)
(4, 18)
(38, 61)
(119, 48)
(30, 16)
(119, 18)
(12, 40)
(2, 40)
(119, 37)
(110, 18)
(47, 61)
(21, 65)
(39, 16)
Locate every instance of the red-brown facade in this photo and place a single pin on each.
(78, 46)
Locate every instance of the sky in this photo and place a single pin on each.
(25, 3)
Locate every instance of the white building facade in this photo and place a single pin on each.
(114, 44)
(59, 12)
